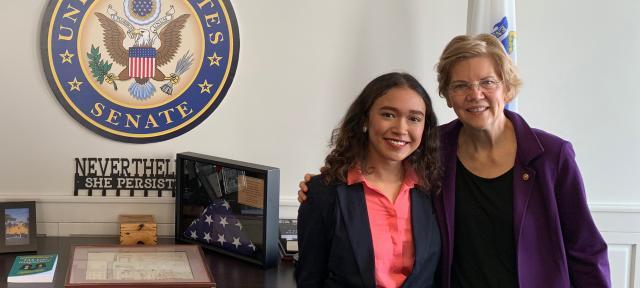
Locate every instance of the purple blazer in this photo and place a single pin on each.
(557, 242)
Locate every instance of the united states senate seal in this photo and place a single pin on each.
(140, 71)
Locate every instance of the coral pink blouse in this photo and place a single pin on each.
(391, 229)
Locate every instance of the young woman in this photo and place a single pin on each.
(368, 220)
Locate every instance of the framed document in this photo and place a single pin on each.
(228, 206)
(18, 232)
(138, 266)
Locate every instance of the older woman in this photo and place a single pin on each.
(513, 205)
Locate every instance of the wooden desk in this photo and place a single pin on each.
(227, 271)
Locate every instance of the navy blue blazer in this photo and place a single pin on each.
(334, 238)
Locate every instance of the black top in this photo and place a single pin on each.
(484, 253)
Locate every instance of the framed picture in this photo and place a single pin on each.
(18, 233)
(136, 266)
(228, 206)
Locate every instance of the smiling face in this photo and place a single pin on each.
(480, 108)
(395, 125)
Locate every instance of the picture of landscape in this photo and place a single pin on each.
(16, 225)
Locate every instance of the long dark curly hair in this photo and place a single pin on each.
(349, 143)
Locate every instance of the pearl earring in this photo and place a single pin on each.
(364, 129)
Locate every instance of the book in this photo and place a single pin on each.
(33, 271)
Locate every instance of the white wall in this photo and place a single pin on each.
(581, 68)
(302, 62)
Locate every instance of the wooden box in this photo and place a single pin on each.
(138, 230)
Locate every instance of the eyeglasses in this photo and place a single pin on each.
(464, 88)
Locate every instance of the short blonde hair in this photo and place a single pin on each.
(465, 47)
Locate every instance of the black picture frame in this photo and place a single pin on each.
(228, 206)
(19, 230)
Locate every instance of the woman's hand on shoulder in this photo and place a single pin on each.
(302, 192)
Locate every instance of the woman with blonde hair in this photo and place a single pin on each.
(513, 203)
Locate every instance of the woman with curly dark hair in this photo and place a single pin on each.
(368, 219)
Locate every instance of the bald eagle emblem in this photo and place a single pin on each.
(142, 61)
(140, 71)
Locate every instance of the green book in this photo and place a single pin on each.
(30, 269)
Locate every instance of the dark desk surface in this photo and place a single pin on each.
(227, 271)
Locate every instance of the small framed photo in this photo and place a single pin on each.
(18, 233)
(228, 206)
(94, 266)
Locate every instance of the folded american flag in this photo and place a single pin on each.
(219, 227)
